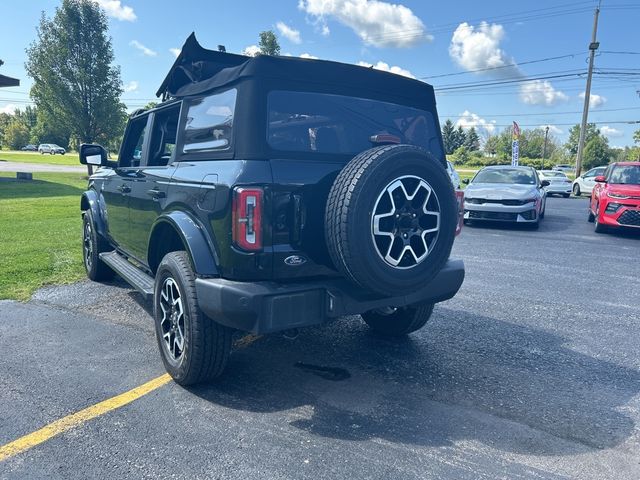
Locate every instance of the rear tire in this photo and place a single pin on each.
(566, 195)
(92, 246)
(193, 347)
(402, 321)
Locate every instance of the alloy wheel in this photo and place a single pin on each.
(406, 222)
(173, 319)
(87, 245)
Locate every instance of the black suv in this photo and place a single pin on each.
(273, 193)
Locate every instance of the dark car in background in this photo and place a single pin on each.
(29, 148)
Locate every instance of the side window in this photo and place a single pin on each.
(590, 174)
(163, 136)
(131, 155)
(210, 123)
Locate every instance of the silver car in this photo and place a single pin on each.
(506, 194)
(453, 175)
(559, 182)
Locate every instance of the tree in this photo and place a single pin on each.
(636, 137)
(76, 83)
(574, 137)
(491, 145)
(448, 134)
(596, 152)
(16, 135)
(459, 137)
(269, 43)
(472, 140)
(48, 130)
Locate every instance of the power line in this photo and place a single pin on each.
(541, 114)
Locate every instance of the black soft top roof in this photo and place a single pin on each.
(198, 70)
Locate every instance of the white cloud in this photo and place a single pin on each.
(468, 120)
(385, 67)
(325, 30)
(608, 131)
(377, 23)
(9, 108)
(115, 9)
(132, 86)
(145, 51)
(553, 129)
(541, 92)
(477, 48)
(594, 100)
(308, 55)
(289, 33)
(175, 52)
(251, 50)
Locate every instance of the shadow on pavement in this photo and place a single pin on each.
(457, 379)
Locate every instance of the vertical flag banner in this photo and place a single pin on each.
(515, 148)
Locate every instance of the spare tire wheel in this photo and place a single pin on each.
(390, 219)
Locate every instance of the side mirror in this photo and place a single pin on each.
(465, 181)
(91, 154)
(600, 179)
(545, 183)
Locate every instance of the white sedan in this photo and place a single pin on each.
(559, 183)
(584, 183)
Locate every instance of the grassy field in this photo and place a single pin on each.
(35, 157)
(40, 232)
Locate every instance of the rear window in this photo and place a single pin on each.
(337, 124)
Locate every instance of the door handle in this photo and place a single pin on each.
(124, 189)
(156, 194)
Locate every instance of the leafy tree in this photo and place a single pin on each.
(574, 137)
(48, 130)
(472, 140)
(491, 145)
(5, 120)
(448, 134)
(596, 152)
(150, 105)
(636, 136)
(269, 43)
(461, 155)
(75, 80)
(459, 138)
(16, 135)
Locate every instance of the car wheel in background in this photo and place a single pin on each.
(566, 195)
(576, 190)
(396, 322)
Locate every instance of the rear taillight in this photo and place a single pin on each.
(460, 201)
(247, 218)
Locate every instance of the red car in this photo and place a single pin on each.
(615, 200)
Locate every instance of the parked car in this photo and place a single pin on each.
(453, 175)
(615, 199)
(559, 183)
(564, 168)
(29, 148)
(277, 199)
(51, 148)
(506, 194)
(585, 182)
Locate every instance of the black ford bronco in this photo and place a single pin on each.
(272, 193)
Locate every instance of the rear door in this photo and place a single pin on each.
(117, 187)
(150, 182)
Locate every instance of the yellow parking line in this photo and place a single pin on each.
(78, 418)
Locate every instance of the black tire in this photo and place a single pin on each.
(535, 225)
(576, 190)
(402, 322)
(566, 195)
(598, 227)
(351, 206)
(206, 345)
(92, 246)
(591, 217)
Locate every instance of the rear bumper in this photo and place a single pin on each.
(265, 307)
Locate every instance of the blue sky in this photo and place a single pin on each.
(418, 38)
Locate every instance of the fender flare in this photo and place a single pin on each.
(90, 200)
(194, 237)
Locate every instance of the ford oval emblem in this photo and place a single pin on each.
(295, 260)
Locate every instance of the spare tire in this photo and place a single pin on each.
(390, 219)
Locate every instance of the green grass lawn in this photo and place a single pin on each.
(40, 232)
(35, 157)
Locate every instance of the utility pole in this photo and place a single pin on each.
(544, 150)
(593, 46)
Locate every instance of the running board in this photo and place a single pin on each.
(130, 273)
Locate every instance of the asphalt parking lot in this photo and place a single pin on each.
(531, 371)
